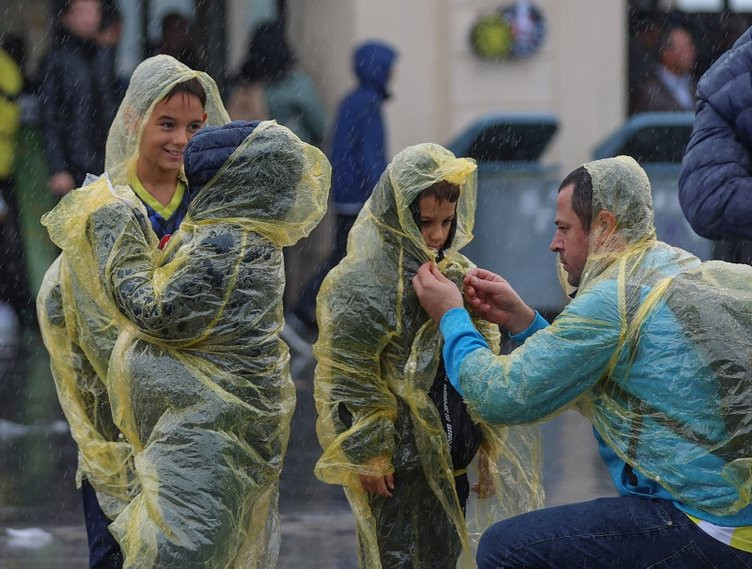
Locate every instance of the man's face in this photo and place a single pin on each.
(679, 55)
(83, 17)
(570, 241)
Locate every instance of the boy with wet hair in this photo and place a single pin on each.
(394, 432)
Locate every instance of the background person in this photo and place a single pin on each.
(77, 96)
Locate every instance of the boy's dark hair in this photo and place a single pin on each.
(582, 196)
(192, 87)
(442, 191)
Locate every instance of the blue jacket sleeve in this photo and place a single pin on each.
(460, 339)
(553, 367)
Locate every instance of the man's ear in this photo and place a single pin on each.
(605, 224)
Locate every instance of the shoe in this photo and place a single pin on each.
(302, 327)
(301, 353)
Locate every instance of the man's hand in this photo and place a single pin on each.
(381, 485)
(496, 301)
(437, 294)
(61, 183)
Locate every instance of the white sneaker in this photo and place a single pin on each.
(301, 354)
(9, 331)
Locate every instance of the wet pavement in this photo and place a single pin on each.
(41, 521)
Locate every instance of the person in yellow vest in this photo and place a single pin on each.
(14, 294)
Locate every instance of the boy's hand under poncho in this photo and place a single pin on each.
(199, 378)
(378, 355)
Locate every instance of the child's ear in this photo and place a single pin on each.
(203, 120)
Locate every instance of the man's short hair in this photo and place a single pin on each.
(582, 196)
(191, 87)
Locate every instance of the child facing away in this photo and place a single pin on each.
(165, 105)
(395, 433)
(198, 380)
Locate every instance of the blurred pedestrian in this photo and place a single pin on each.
(77, 96)
(110, 32)
(177, 40)
(715, 184)
(270, 86)
(671, 86)
(358, 156)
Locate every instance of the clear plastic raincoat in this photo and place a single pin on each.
(655, 350)
(186, 352)
(377, 356)
(77, 322)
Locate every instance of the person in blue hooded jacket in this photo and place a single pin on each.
(358, 155)
(653, 349)
(715, 185)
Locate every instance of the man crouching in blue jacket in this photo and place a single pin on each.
(654, 349)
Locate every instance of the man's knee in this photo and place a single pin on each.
(493, 547)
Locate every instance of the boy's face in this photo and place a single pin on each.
(170, 127)
(83, 17)
(436, 218)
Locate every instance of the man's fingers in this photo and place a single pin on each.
(482, 274)
(487, 287)
(438, 276)
(421, 277)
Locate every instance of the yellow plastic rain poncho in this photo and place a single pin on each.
(198, 380)
(377, 357)
(183, 346)
(655, 350)
(77, 323)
